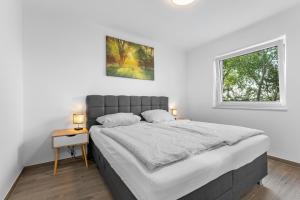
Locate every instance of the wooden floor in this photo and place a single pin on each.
(74, 181)
(282, 183)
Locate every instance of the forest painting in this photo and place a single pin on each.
(128, 59)
(252, 77)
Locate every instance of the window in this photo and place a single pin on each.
(252, 78)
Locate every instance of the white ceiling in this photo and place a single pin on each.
(160, 20)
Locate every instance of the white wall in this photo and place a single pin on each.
(64, 60)
(11, 93)
(282, 127)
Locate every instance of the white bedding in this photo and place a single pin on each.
(157, 145)
(227, 133)
(176, 180)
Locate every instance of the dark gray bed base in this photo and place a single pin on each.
(230, 186)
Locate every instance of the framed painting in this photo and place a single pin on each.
(128, 59)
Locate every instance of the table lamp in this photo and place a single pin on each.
(78, 119)
(174, 112)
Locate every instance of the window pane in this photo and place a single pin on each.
(252, 77)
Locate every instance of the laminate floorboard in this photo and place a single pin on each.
(282, 183)
(75, 182)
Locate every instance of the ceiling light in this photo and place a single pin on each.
(182, 2)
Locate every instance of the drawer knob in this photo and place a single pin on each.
(70, 135)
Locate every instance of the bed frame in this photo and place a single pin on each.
(230, 186)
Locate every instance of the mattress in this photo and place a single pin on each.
(181, 178)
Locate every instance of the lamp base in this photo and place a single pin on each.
(78, 129)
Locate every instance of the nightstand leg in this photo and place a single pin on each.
(56, 161)
(84, 154)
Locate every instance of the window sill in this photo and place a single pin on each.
(252, 106)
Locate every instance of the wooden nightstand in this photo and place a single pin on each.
(69, 137)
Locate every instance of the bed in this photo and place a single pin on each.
(225, 173)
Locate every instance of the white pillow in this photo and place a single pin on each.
(118, 119)
(156, 116)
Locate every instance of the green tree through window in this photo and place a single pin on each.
(252, 77)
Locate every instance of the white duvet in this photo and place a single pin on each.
(227, 133)
(157, 145)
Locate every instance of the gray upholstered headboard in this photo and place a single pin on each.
(98, 105)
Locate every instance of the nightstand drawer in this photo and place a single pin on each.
(70, 140)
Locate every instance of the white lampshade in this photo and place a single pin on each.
(174, 111)
(78, 118)
(182, 2)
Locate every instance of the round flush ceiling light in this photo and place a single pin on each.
(182, 2)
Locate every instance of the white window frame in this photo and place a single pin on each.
(268, 105)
